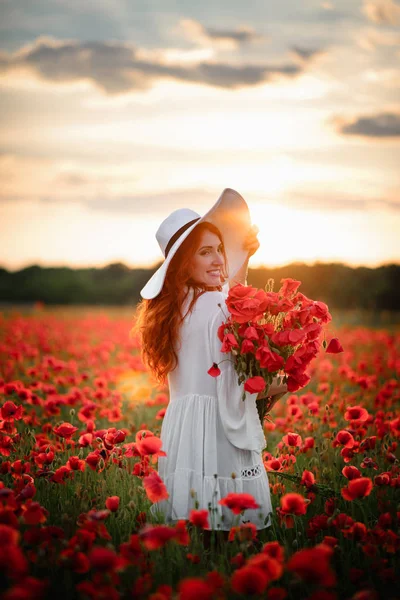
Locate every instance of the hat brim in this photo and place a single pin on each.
(231, 215)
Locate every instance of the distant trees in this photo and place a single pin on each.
(338, 285)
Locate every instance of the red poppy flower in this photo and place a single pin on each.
(112, 503)
(274, 464)
(249, 332)
(199, 518)
(35, 513)
(13, 562)
(351, 472)
(246, 303)
(147, 443)
(249, 581)
(312, 565)
(382, 479)
(65, 430)
(247, 347)
(154, 537)
(61, 474)
(357, 531)
(307, 478)
(142, 468)
(293, 504)
(368, 443)
(308, 443)
(93, 459)
(74, 463)
(131, 449)
(216, 580)
(8, 535)
(161, 413)
(229, 342)
(255, 384)
(10, 411)
(292, 439)
(369, 463)
(296, 380)
(289, 286)
(194, 587)
(276, 593)
(98, 515)
(214, 371)
(274, 550)
(343, 438)
(289, 337)
(272, 567)
(334, 347)
(342, 521)
(155, 487)
(356, 413)
(357, 488)
(269, 360)
(104, 559)
(113, 436)
(330, 540)
(193, 558)
(239, 502)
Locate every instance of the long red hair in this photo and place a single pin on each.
(157, 321)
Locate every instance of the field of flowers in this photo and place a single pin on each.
(80, 420)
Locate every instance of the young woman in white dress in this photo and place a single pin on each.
(213, 440)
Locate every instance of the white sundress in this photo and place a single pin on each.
(208, 432)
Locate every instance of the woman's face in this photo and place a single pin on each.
(208, 260)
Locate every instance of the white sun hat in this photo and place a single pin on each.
(230, 214)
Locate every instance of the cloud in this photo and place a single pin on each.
(143, 203)
(385, 125)
(72, 180)
(117, 68)
(200, 199)
(223, 38)
(306, 54)
(370, 38)
(312, 199)
(242, 35)
(389, 78)
(382, 12)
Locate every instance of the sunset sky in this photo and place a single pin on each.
(116, 112)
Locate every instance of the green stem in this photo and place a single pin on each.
(318, 488)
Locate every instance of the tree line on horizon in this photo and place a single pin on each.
(338, 285)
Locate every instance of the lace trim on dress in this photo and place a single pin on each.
(251, 472)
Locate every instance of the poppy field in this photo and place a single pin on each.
(80, 421)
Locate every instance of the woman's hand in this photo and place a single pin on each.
(274, 389)
(274, 400)
(251, 243)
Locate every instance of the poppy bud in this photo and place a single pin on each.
(334, 346)
(214, 371)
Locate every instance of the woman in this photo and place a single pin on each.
(212, 438)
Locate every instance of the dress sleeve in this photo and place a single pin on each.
(239, 417)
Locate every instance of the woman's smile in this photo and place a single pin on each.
(208, 261)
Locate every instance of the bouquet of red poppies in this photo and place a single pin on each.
(272, 335)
